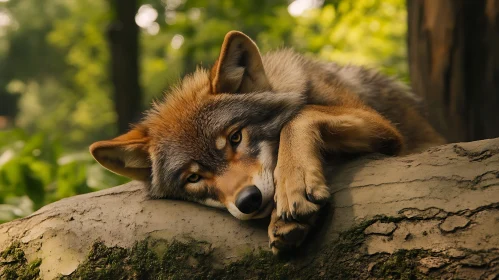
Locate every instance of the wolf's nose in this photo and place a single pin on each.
(249, 200)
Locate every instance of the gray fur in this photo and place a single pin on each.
(263, 114)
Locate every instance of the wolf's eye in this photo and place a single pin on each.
(193, 178)
(236, 137)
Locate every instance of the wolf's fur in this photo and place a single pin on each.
(289, 109)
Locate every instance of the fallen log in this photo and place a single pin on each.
(433, 214)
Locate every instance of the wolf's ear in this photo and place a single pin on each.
(126, 155)
(239, 67)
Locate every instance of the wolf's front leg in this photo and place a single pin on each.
(300, 184)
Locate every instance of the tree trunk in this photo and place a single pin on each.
(454, 64)
(8, 109)
(123, 40)
(434, 214)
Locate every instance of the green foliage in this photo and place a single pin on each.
(367, 32)
(34, 171)
(57, 62)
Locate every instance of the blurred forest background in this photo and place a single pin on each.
(67, 71)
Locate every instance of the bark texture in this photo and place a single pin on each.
(454, 64)
(433, 214)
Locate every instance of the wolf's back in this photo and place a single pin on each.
(328, 83)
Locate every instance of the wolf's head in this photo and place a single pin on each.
(213, 139)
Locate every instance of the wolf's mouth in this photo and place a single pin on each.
(262, 213)
(265, 211)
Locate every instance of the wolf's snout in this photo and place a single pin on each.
(249, 200)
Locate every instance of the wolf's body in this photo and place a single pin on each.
(327, 83)
(248, 135)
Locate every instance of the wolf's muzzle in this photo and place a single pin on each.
(249, 200)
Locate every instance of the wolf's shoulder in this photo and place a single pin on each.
(285, 70)
(289, 70)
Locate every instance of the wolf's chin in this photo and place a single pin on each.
(265, 212)
(231, 207)
(262, 213)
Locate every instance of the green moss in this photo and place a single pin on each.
(400, 265)
(158, 259)
(262, 265)
(14, 265)
(117, 263)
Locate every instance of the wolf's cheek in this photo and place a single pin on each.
(212, 203)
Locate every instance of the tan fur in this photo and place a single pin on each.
(317, 129)
(125, 155)
(348, 109)
(227, 76)
(239, 171)
(237, 177)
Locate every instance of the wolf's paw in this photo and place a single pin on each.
(299, 192)
(285, 236)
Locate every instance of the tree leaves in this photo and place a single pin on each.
(34, 166)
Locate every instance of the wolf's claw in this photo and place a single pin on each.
(300, 190)
(310, 198)
(296, 200)
(293, 213)
(284, 236)
(318, 195)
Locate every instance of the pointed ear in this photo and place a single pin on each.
(126, 155)
(239, 68)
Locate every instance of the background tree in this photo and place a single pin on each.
(123, 36)
(454, 64)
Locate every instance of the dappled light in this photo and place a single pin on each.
(177, 41)
(298, 7)
(146, 18)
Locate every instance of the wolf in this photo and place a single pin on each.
(250, 134)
